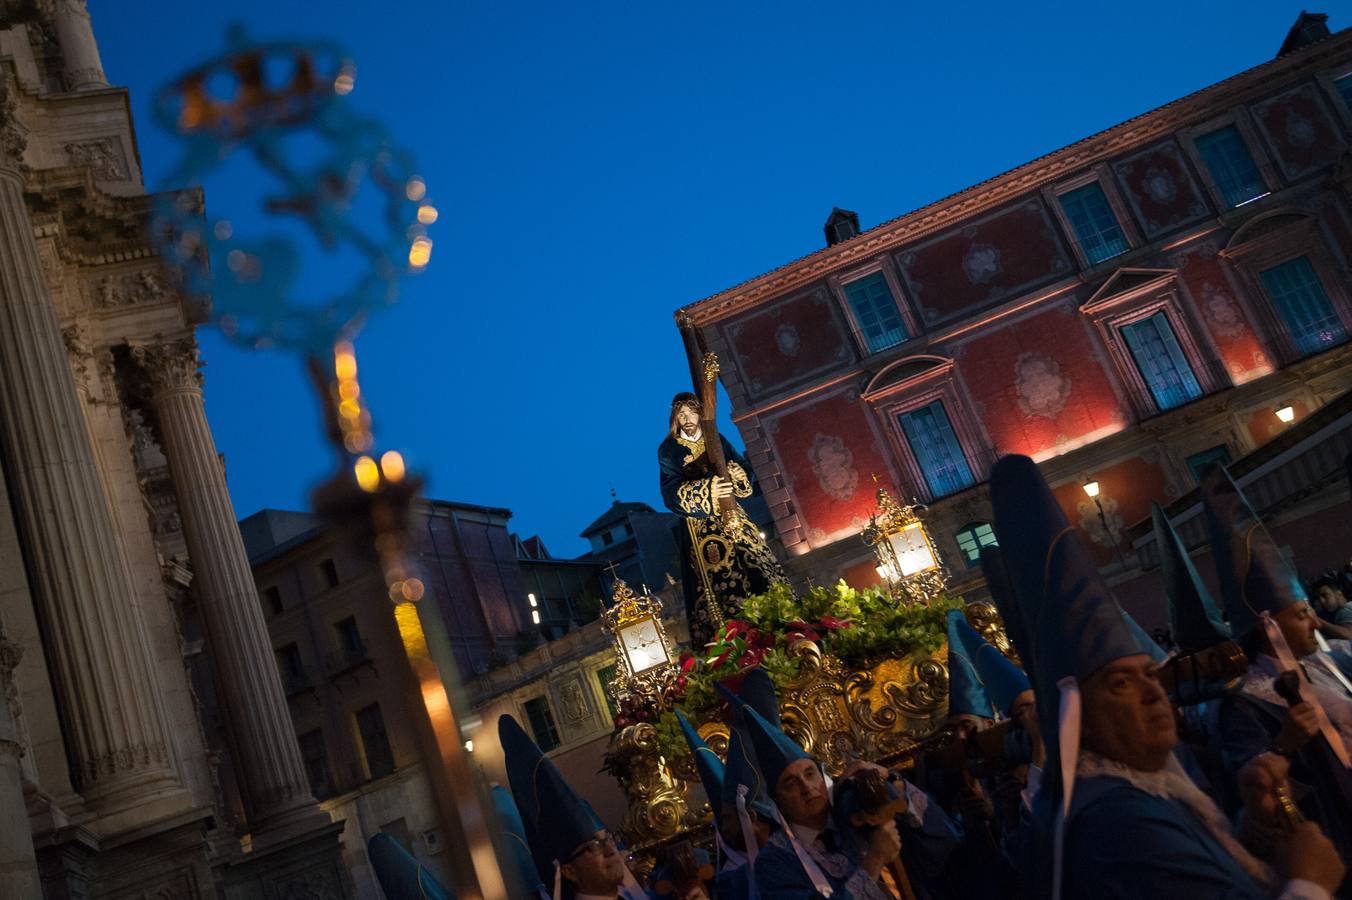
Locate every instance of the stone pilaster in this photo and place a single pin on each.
(261, 734)
(83, 69)
(96, 640)
(18, 862)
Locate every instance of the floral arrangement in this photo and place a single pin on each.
(859, 627)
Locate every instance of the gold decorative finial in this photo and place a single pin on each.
(710, 367)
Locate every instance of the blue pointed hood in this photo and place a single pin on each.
(742, 770)
(401, 876)
(1072, 619)
(710, 767)
(774, 749)
(758, 692)
(1074, 624)
(514, 831)
(557, 820)
(1002, 595)
(1254, 576)
(966, 695)
(1193, 616)
(1143, 638)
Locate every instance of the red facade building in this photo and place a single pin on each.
(1123, 310)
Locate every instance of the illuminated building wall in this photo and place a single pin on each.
(1121, 310)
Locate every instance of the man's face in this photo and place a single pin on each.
(596, 866)
(1329, 598)
(1127, 716)
(1298, 625)
(687, 420)
(801, 794)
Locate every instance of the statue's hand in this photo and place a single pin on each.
(720, 487)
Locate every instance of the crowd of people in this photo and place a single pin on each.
(1107, 767)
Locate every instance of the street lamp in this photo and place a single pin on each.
(1286, 415)
(907, 558)
(1091, 489)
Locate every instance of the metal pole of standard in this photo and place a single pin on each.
(454, 783)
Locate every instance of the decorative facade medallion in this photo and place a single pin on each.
(1042, 389)
(1221, 312)
(833, 464)
(1300, 131)
(102, 155)
(1160, 185)
(788, 340)
(574, 706)
(981, 264)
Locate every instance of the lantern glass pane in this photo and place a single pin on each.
(913, 550)
(643, 646)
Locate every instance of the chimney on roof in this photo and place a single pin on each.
(841, 226)
(1309, 28)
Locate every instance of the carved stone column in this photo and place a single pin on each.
(80, 576)
(258, 723)
(79, 51)
(18, 863)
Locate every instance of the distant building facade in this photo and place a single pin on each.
(638, 541)
(1123, 310)
(342, 664)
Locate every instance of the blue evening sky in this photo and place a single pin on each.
(598, 165)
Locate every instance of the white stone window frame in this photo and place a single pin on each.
(1112, 313)
(1301, 236)
(1100, 175)
(939, 382)
(836, 284)
(1248, 133)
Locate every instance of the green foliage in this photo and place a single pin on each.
(861, 628)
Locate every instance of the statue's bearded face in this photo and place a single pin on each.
(688, 420)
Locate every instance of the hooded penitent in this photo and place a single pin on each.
(707, 764)
(517, 845)
(557, 821)
(1193, 616)
(966, 694)
(401, 876)
(1001, 679)
(1254, 577)
(1075, 625)
(1002, 595)
(757, 692)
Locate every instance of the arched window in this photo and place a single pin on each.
(971, 538)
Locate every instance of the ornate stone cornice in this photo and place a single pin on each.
(80, 351)
(170, 366)
(13, 139)
(1262, 80)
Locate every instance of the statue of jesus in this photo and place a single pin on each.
(725, 557)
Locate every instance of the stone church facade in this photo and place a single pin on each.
(121, 567)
